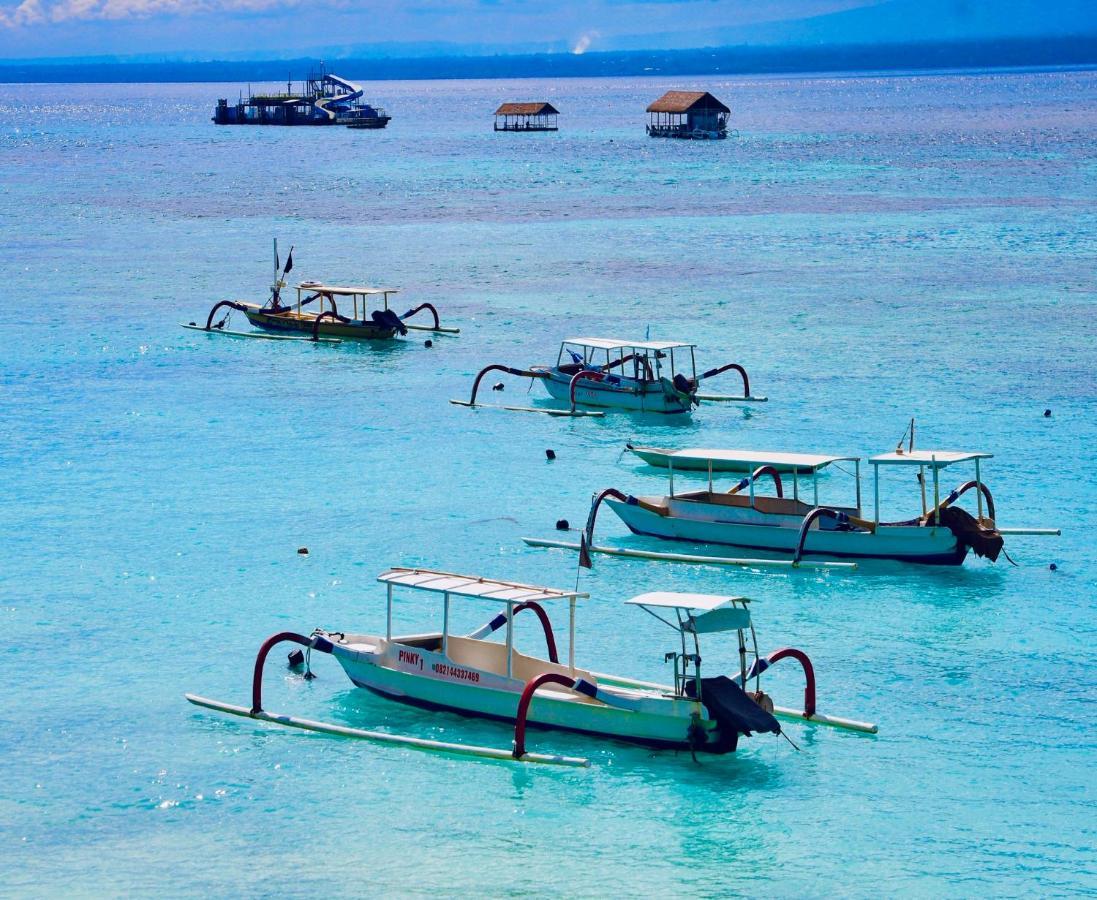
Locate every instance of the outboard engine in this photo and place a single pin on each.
(386, 318)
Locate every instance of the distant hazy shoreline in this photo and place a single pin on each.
(1005, 54)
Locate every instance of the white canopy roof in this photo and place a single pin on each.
(344, 291)
(759, 457)
(675, 600)
(703, 613)
(927, 458)
(614, 344)
(472, 586)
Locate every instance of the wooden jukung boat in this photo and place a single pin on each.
(742, 518)
(640, 376)
(476, 676)
(323, 312)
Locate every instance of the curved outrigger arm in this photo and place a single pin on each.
(746, 397)
(825, 512)
(582, 374)
(326, 314)
(758, 473)
(437, 326)
(500, 620)
(315, 642)
(496, 367)
(963, 489)
(231, 304)
(579, 685)
(318, 641)
(764, 662)
(592, 516)
(627, 359)
(809, 712)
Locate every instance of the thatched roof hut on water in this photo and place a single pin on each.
(688, 114)
(526, 117)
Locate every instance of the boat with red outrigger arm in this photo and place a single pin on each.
(340, 313)
(641, 376)
(475, 676)
(801, 526)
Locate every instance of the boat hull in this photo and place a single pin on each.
(704, 525)
(628, 394)
(305, 323)
(430, 680)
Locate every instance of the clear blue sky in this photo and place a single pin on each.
(205, 29)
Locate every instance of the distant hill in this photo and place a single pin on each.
(744, 59)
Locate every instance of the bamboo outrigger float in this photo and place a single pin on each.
(475, 676)
(341, 313)
(745, 519)
(640, 376)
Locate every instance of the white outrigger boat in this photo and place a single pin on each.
(324, 322)
(741, 517)
(641, 376)
(475, 676)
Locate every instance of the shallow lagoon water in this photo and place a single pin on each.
(871, 248)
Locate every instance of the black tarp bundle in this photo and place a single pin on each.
(733, 710)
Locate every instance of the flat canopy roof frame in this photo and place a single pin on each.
(613, 344)
(509, 592)
(939, 459)
(700, 614)
(473, 586)
(760, 457)
(344, 291)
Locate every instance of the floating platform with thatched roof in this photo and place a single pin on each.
(526, 117)
(688, 114)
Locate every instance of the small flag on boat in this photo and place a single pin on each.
(584, 552)
(289, 262)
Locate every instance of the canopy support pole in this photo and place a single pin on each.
(445, 624)
(571, 635)
(510, 639)
(876, 493)
(936, 492)
(979, 489)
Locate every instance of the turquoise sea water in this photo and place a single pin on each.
(870, 248)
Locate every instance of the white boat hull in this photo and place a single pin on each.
(429, 679)
(628, 394)
(702, 523)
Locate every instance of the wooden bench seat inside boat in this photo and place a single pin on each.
(774, 506)
(490, 656)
